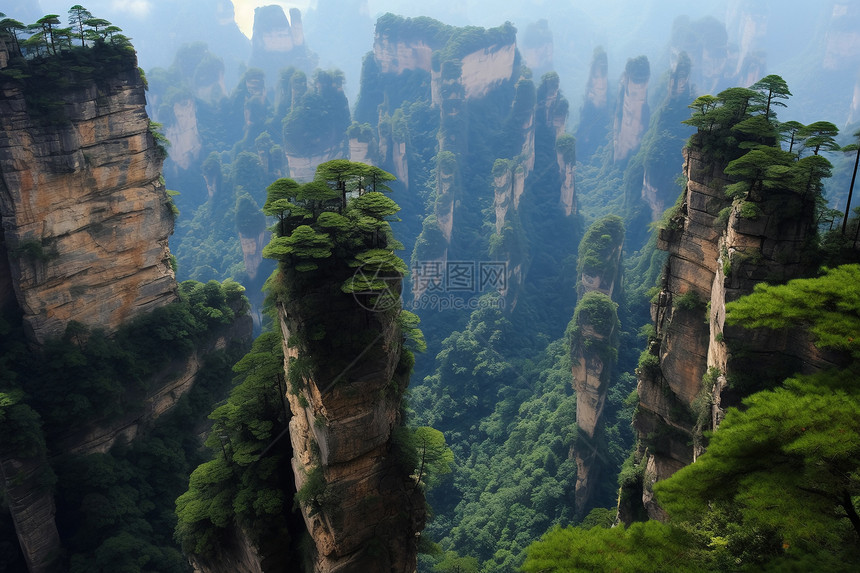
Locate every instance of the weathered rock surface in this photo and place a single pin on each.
(595, 113)
(708, 266)
(168, 386)
(591, 373)
(633, 114)
(183, 134)
(370, 515)
(31, 504)
(85, 222)
(84, 210)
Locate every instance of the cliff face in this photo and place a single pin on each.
(595, 114)
(632, 115)
(85, 224)
(183, 134)
(278, 42)
(394, 56)
(84, 210)
(368, 517)
(700, 366)
(32, 507)
(661, 162)
(593, 347)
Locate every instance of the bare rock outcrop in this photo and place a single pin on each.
(364, 513)
(31, 504)
(633, 113)
(717, 253)
(595, 113)
(84, 209)
(595, 332)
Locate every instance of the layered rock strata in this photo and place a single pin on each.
(345, 410)
(700, 365)
(84, 210)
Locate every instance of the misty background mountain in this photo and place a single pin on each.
(795, 35)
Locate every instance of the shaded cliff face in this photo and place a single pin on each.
(84, 210)
(32, 508)
(699, 367)
(344, 415)
(595, 113)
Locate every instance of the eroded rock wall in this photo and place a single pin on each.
(84, 210)
(702, 366)
(633, 114)
(591, 373)
(369, 514)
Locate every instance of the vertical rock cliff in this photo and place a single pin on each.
(364, 516)
(278, 43)
(85, 224)
(84, 211)
(659, 152)
(594, 335)
(347, 365)
(632, 114)
(595, 115)
(695, 366)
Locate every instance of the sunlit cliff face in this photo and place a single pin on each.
(395, 57)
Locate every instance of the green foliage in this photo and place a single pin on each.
(690, 301)
(319, 119)
(649, 364)
(566, 145)
(671, 218)
(771, 88)
(246, 481)
(423, 28)
(20, 427)
(33, 250)
(600, 248)
(777, 488)
(749, 210)
(161, 142)
(47, 62)
(86, 376)
(313, 490)
(453, 563)
(596, 311)
(788, 462)
(423, 454)
(466, 40)
(828, 306)
(641, 547)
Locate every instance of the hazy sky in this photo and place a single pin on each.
(245, 11)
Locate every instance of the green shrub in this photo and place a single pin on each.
(689, 301)
(648, 363)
